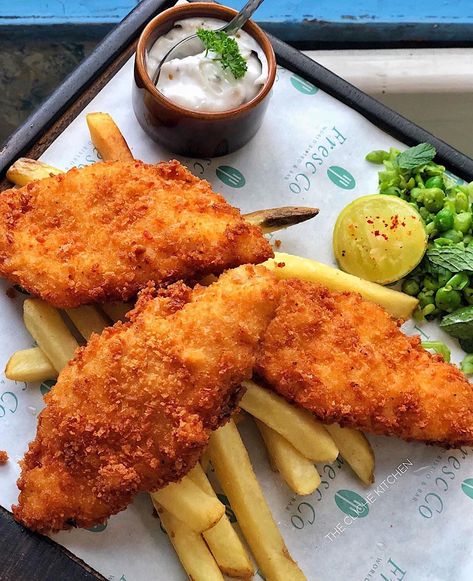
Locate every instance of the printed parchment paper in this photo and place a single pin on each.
(415, 521)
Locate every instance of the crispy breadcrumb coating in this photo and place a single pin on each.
(134, 409)
(346, 360)
(100, 233)
(3, 457)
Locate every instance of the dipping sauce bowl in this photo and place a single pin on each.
(185, 131)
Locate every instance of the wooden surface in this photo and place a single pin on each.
(291, 20)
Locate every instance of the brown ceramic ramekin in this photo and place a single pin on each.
(196, 133)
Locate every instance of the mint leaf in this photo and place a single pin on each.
(467, 345)
(416, 156)
(459, 324)
(452, 258)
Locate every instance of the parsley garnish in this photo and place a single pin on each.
(226, 50)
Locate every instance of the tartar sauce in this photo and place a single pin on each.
(200, 83)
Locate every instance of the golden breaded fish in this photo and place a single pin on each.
(346, 360)
(134, 409)
(102, 232)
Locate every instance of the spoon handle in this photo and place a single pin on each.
(241, 18)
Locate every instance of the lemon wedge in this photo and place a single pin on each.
(379, 238)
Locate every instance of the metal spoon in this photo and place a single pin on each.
(193, 45)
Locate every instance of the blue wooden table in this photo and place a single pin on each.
(307, 21)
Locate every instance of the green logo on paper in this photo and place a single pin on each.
(98, 528)
(46, 386)
(303, 86)
(351, 503)
(467, 487)
(228, 509)
(230, 176)
(341, 177)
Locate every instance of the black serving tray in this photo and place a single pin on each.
(25, 555)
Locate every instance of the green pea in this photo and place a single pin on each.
(448, 299)
(419, 180)
(429, 310)
(453, 235)
(459, 281)
(462, 203)
(467, 364)
(426, 215)
(431, 230)
(444, 276)
(468, 295)
(377, 156)
(393, 153)
(444, 220)
(389, 175)
(438, 347)
(443, 242)
(391, 191)
(417, 194)
(462, 221)
(433, 199)
(435, 182)
(434, 169)
(417, 314)
(430, 284)
(450, 204)
(426, 298)
(410, 286)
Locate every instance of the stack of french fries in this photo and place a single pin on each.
(204, 539)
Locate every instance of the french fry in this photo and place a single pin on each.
(117, 311)
(88, 320)
(296, 425)
(25, 170)
(205, 460)
(299, 473)
(396, 303)
(190, 547)
(110, 143)
(184, 499)
(235, 474)
(356, 450)
(222, 539)
(50, 332)
(107, 138)
(30, 365)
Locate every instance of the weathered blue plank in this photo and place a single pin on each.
(29, 12)
(303, 20)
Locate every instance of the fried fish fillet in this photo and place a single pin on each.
(102, 232)
(134, 409)
(346, 360)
